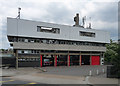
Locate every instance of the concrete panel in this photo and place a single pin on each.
(12, 27)
(27, 28)
(18, 45)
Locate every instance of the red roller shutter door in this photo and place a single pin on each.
(95, 60)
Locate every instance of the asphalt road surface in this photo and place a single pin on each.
(13, 82)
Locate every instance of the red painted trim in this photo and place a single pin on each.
(68, 60)
(55, 61)
(80, 59)
(41, 60)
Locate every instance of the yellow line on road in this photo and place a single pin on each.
(28, 84)
(7, 81)
(32, 83)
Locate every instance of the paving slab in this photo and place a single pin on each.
(95, 80)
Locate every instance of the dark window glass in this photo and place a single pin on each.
(88, 34)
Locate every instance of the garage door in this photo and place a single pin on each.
(95, 60)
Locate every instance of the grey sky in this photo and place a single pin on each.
(104, 15)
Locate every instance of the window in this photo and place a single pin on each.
(19, 39)
(11, 44)
(19, 51)
(32, 40)
(22, 39)
(15, 39)
(22, 51)
(48, 29)
(38, 29)
(37, 51)
(31, 51)
(26, 51)
(44, 41)
(26, 40)
(88, 34)
(37, 40)
(34, 51)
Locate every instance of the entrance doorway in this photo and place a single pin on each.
(48, 60)
(85, 60)
(95, 60)
(74, 60)
(62, 60)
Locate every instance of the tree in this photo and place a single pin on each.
(116, 62)
(111, 51)
(112, 56)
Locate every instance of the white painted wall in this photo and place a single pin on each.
(28, 28)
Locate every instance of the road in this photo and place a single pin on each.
(56, 75)
(13, 82)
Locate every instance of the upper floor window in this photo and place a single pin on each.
(48, 29)
(88, 34)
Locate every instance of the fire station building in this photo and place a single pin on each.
(39, 44)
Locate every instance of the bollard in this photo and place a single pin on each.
(103, 70)
(97, 72)
(90, 73)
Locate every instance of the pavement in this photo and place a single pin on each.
(53, 79)
(20, 71)
(77, 70)
(60, 75)
(103, 80)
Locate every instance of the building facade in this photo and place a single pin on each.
(47, 44)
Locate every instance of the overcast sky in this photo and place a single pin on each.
(104, 15)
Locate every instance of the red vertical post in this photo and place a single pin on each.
(41, 60)
(68, 60)
(55, 60)
(80, 60)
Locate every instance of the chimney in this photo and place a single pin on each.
(76, 20)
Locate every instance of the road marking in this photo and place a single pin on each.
(28, 84)
(7, 81)
(32, 83)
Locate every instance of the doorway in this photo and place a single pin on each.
(85, 60)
